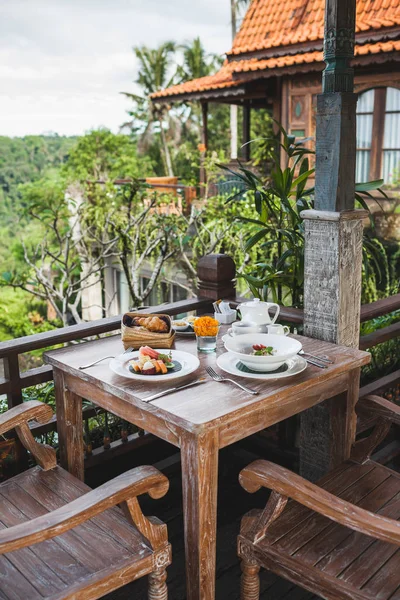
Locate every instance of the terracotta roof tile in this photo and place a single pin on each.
(272, 23)
(222, 79)
(227, 76)
(243, 66)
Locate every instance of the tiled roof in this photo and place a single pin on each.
(229, 74)
(272, 23)
(222, 79)
(243, 66)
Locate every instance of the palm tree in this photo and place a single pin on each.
(196, 63)
(155, 68)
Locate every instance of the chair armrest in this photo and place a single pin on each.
(262, 473)
(23, 413)
(380, 407)
(18, 418)
(138, 481)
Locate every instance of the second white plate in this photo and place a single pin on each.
(227, 362)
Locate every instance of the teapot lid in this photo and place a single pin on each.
(255, 302)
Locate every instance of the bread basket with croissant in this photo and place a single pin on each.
(140, 329)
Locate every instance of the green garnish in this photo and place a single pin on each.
(260, 350)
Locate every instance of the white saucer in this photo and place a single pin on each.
(227, 362)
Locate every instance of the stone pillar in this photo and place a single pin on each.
(333, 241)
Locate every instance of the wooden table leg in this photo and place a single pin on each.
(199, 455)
(69, 427)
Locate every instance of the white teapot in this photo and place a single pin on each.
(257, 312)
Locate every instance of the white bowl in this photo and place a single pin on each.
(180, 327)
(284, 348)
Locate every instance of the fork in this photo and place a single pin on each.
(102, 358)
(220, 379)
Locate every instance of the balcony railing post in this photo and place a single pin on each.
(216, 275)
(12, 375)
(14, 397)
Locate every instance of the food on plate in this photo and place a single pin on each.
(206, 326)
(153, 324)
(261, 350)
(179, 323)
(151, 362)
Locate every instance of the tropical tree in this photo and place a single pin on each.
(157, 71)
(196, 63)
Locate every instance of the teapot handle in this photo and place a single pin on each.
(276, 315)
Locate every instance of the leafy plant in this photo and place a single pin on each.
(277, 230)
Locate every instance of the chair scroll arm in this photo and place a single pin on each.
(135, 482)
(263, 473)
(379, 407)
(32, 410)
(18, 418)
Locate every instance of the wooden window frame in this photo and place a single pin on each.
(378, 131)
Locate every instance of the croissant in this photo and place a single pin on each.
(153, 324)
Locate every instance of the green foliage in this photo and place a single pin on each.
(25, 160)
(21, 314)
(277, 229)
(103, 155)
(385, 358)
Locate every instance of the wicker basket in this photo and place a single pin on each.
(134, 337)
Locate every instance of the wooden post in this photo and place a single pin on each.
(333, 241)
(204, 146)
(216, 273)
(246, 150)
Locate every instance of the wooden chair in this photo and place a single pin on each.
(59, 539)
(338, 538)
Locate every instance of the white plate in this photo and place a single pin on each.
(189, 362)
(227, 362)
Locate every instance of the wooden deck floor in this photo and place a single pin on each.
(233, 502)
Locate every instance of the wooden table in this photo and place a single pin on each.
(200, 421)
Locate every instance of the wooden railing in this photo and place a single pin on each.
(216, 274)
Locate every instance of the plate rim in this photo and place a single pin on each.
(264, 376)
(154, 378)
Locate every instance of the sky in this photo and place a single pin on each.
(63, 63)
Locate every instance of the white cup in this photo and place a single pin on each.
(277, 329)
(241, 327)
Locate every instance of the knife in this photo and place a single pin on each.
(174, 389)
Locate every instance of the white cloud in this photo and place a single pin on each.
(63, 63)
